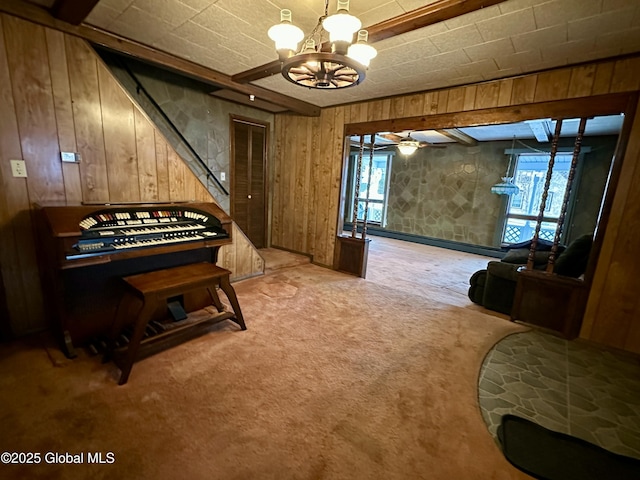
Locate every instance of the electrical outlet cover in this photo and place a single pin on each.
(18, 168)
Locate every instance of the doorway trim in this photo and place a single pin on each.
(607, 104)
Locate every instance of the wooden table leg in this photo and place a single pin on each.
(213, 293)
(118, 324)
(226, 287)
(138, 333)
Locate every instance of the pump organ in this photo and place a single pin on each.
(85, 250)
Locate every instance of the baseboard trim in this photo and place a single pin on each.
(434, 242)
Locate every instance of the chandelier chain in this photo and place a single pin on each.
(317, 30)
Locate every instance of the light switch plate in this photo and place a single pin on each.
(69, 157)
(223, 176)
(19, 168)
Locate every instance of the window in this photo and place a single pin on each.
(522, 212)
(377, 191)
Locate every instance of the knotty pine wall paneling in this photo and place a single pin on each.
(603, 314)
(61, 87)
(304, 213)
(613, 313)
(33, 96)
(57, 95)
(15, 227)
(162, 166)
(146, 152)
(240, 257)
(87, 116)
(118, 125)
(36, 126)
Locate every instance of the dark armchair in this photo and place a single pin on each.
(495, 286)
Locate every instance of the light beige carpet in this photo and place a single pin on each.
(335, 378)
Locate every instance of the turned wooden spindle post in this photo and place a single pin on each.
(356, 190)
(567, 192)
(545, 193)
(366, 202)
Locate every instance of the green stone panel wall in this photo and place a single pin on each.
(592, 183)
(445, 193)
(202, 119)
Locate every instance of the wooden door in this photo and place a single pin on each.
(248, 188)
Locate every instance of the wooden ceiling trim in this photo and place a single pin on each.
(263, 71)
(197, 71)
(413, 20)
(459, 136)
(137, 50)
(73, 11)
(424, 16)
(611, 104)
(540, 130)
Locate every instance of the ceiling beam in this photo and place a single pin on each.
(431, 14)
(73, 11)
(540, 130)
(436, 12)
(610, 104)
(140, 51)
(394, 137)
(263, 71)
(459, 136)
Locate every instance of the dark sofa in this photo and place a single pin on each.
(495, 287)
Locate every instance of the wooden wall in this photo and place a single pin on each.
(56, 95)
(307, 167)
(308, 162)
(613, 313)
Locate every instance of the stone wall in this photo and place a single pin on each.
(445, 193)
(592, 183)
(202, 119)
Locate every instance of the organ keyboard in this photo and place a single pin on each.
(108, 231)
(85, 250)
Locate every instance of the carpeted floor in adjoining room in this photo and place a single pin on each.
(336, 378)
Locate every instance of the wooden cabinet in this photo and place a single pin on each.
(351, 255)
(550, 301)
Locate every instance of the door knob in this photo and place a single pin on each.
(248, 196)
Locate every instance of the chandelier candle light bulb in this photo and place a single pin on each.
(361, 51)
(310, 47)
(285, 35)
(341, 27)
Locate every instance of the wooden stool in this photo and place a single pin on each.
(153, 289)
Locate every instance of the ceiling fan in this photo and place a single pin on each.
(408, 145)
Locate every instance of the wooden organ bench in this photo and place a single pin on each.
(154, 290)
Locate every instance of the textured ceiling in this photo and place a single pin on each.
(511, 38)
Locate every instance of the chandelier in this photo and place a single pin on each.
(340, 63)
(507, 187)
